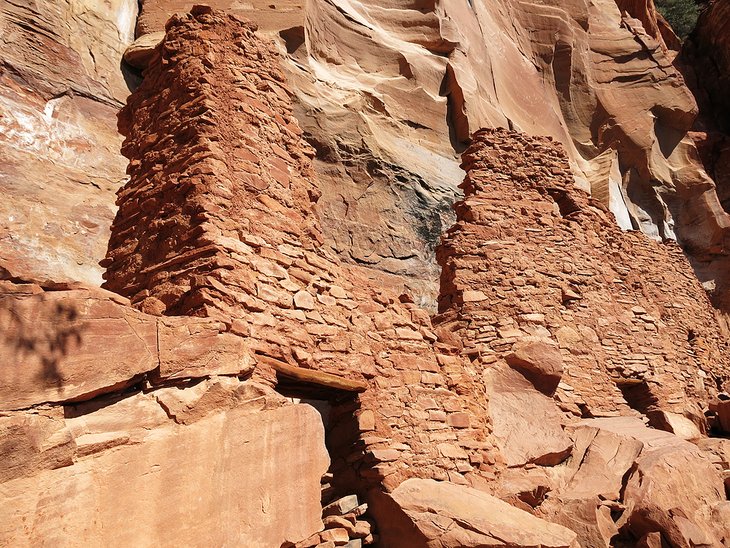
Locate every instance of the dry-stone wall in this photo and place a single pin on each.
(531, 257)
(217, 220)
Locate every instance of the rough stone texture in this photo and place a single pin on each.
(582, 72)
(634, 327)
(269, 17)
(683, 507)
(218, 221)
(433, 514)
(60, 89)
(706, 55)
(121, 473)
(526, 425)
(389, 95)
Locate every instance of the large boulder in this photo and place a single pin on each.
(232, 464)
(438, 514)
(62, 345)
(540, 361)
(71, 344)
(672, 488)
(526, 424)
(678, 492)
(592, 485)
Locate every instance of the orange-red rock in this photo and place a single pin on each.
(428, 513)
(245, 472)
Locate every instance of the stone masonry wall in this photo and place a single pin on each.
(217, 221)
(531, 256)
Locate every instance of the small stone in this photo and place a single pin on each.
(341, 506)
(326, 300)
(338, 536)
(470, 296)
(451, 451)
(366, 420)
(304, 300)
(458, 420)
(339, 522)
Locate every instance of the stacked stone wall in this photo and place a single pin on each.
(531, 256)
(217, 220)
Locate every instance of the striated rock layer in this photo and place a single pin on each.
(559, 337)
(218, 221)
(705, 62)
(389, 95)
(234, 197)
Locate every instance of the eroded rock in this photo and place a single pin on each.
(260, 466)
(437, 514)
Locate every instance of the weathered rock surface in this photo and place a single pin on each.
(60, 89)
(60, 345)
(227, 230)
(219, 247)
(527, 425)
(121, 473)
(434, 514)
(388, 95)
(606, 492)
(705, 62)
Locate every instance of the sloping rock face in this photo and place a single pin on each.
(427, 513)
(705, 61)
(706, 56)
(60, 89)
(54, 338)
(83, 473)
(229, 291)
(533, 257)
(235, 197)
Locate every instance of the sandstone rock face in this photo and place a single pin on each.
(53, 343)
(549, 314)
(578, 71)
(130, 471)
(269, 17)
(222, 224)
(54, 340)
(707, 54)
(608, 492)
(227, 230)
(705, 61)
(427, 513)
(527, 425)
(683, 507)
(60, 89)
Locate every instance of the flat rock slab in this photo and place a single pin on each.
(433, 514)
(62, 345)
(526, 423)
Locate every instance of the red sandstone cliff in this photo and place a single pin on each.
(563, 394)
(561, 397)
